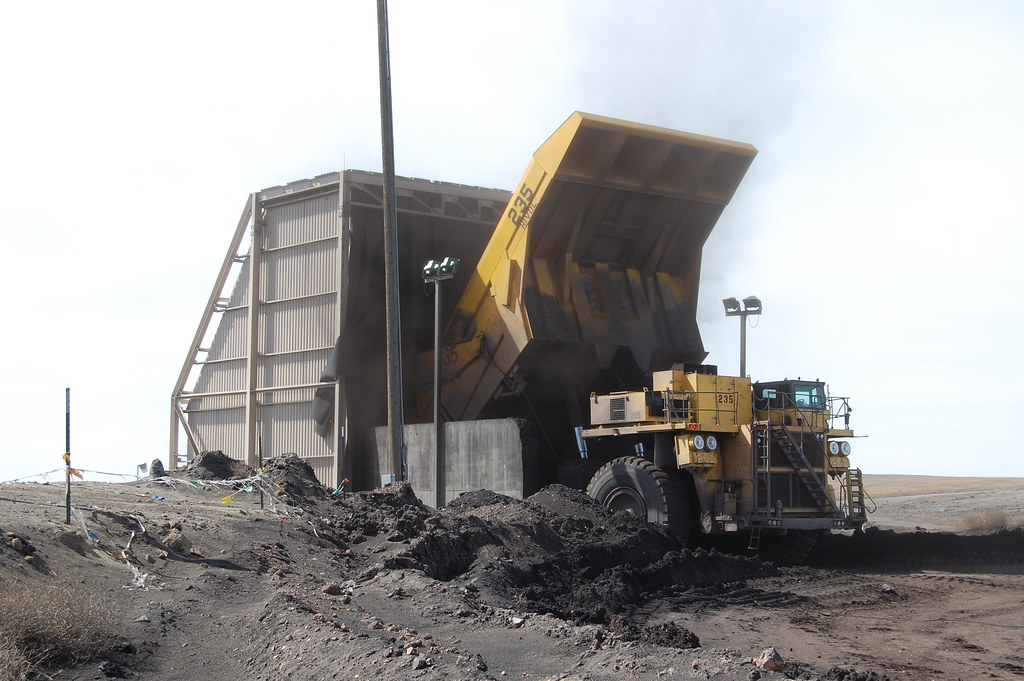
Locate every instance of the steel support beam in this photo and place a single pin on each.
(204, 324)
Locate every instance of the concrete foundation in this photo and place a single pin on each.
(497, 454)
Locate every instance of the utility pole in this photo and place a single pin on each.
(396, 418)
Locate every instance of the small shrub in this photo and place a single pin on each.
(13, 664)
(986, 521)
(52, 625)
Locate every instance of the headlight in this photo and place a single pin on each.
(698, 442)
(845, 446)
(833, 448)
(711, 441)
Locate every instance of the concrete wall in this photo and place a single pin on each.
(497, 454)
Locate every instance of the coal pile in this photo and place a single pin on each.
(918, 549)
(216, 465)
(294, 478)
(669, 634)
(558, 552)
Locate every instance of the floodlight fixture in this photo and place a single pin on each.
(751, 306)
(439, 270)
(447, 266)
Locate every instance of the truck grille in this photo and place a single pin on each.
(617, 409)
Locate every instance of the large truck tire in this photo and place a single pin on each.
(637, 486)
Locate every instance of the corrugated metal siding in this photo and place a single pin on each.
(292, 369)
(220, 377)
(305, 220)
(296, 325)
(229, 342)
(287, 429)
(240, 292)
(303, 270)
(219, 429)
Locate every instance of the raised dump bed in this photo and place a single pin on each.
(590, 278)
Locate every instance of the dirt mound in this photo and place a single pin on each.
(558, 552)
(294, 479)
(216, 465)
(562, 553)
(919, 549)
(668, 634)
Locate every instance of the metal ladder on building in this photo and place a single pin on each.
(795, 454)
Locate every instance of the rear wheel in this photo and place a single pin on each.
(637, 486)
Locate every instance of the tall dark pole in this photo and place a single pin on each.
(396, 419)
(440, 482)
(743, 346)
(436, 271)
(67, 455)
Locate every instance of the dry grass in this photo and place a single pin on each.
(986, 521)
(904, 485)
(52, 626)
(13, 664)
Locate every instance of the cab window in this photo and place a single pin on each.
(809, 395)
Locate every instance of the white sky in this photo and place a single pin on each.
(880, 224)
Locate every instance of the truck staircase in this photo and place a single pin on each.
(795, 454)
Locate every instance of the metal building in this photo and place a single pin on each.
(313, 336)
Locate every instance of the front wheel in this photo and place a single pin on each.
(637, 486)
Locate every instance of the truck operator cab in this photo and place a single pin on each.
(796, 403)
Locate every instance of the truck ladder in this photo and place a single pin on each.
(815, 486)
(855, 482)
(755, 538)
(763, 443)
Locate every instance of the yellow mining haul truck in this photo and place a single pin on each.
(714, 454)
(587, 285)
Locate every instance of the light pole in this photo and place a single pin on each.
(751, 306)
(436, 271)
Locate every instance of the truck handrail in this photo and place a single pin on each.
(839, 407)
(694, 406)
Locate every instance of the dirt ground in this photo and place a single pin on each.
(205, 582)
(941, 504)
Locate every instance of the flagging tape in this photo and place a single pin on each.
(251, 485)
(74, 471)
(142, 580)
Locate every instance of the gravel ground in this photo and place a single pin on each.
(204, 582)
